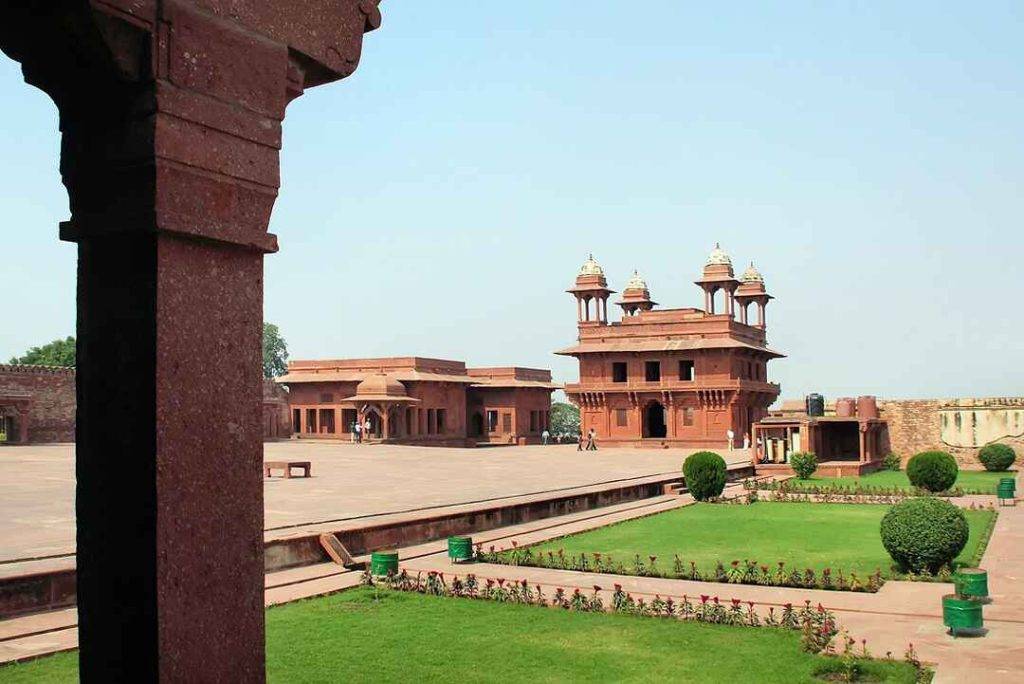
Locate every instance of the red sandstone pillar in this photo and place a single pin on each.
(23, 426)
(171, 119)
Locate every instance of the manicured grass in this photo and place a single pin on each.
(411, 637)
(970, 481)
(803, 535)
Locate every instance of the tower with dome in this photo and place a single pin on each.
(683, 377)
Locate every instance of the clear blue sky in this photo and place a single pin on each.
(868, 156)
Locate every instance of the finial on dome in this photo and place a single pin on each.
(591, 267)
(636, 282)
(718, 256)
(752, 275)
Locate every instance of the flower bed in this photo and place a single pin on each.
(880, 484)
(817, 624)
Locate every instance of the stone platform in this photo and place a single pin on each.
(349, 482)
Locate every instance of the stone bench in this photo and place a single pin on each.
(287, 466)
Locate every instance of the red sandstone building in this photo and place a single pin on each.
(37, 404)
(672, 377)
(413, 400)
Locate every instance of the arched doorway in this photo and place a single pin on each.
(654, 420)
(373, 418)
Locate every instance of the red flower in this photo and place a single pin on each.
(789, 606)
(576, 592)
(704, 598)
(715, 599)
(501, 581)
(735, 603)
(735, 563)
(751, 604)
(618, 587)
(653, 558)
(597, 588)
(514, 543)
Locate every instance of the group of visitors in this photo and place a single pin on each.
(360, 430)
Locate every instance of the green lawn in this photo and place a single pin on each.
(411, 637)
(971, 481)
(803, 535)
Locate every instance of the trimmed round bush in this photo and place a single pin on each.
(704, 472)
(803, 463)
(997, 457)
(924, 533)
(934, 471)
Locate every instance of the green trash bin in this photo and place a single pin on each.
(1005, 491)
(971, 583)
(1008, 482)
(961, 614)
(460, 549)
(383, 562)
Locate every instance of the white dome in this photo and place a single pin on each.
(636, 282)
(591, 267)
(752, 275)
(718, 256)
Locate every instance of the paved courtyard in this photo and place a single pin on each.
(37, 483)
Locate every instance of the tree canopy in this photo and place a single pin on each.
(56, 353)
(565, 419)
(275, 352)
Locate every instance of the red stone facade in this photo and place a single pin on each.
(672, 377)
(37, 404)
(420, 401)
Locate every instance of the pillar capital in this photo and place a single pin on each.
(171, 112)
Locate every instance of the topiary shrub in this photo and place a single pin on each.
(997, 457)
(934, 471)
(891, 462)
(803, 463)
(924, 533)
(705, 475)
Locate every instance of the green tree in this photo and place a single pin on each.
(565, 419)
(56, 353)
(275, 352)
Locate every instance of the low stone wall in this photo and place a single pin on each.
(960, 426)
(49, 392)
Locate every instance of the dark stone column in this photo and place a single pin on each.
(171, 119)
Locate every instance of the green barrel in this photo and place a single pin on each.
(383, 562)
(971, 583)
(960, 614)
(460, 548)
(1007, 486)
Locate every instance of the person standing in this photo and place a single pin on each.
(366, 429)
(746, 441)
(592, 440)
(580, 442)
(357, 430)
(731, 436)
(544, 437)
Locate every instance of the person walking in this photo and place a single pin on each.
(592, 440)
(544, 437)
(581, 442)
